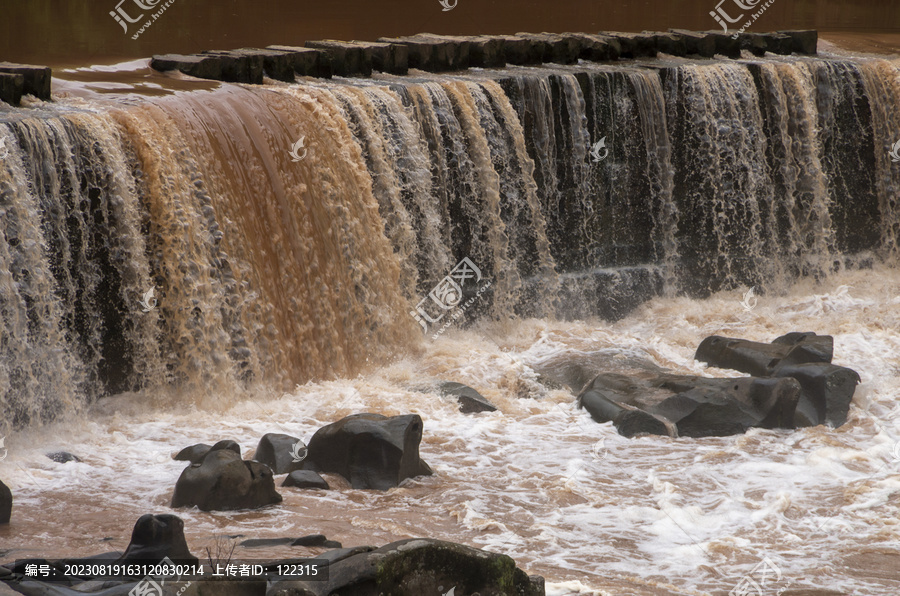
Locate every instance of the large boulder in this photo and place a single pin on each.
(283, 453)
(5, 503)
(827, 390)
(690, 406)
(369, 450)
(305, 479)
(156, 537)
(418, 566)
(223, 481)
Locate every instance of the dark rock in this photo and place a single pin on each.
(5, 503)
(369, 450)
(63, 457)
(239, 66)
(628, 420)
(779, 43)
(223, 481)
(419, 566)
(720, 407)
(11, 88)
(266, 542)
(726, 45)
(279, 452)
(316, 540)
(227, 444)
(305, 479)
(698, 43)
(156, 537)
(486, 51)
(347, 58)
(761, 360)
(194, 453)
(306, 62)
(597, 48)
(434, 53)
(277, 65)
(670, 43)
(519, 51)
(803, 42)
(558, 49)
(470, 401)
(634, 45)
(827, 392)
(35, 79)
(200, 66)
(690, 406)
(389, 57)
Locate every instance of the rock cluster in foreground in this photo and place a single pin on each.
(406, 568)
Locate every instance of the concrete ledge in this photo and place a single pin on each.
(11, 87)
(443, 53)
(306, 62)
(35, 79)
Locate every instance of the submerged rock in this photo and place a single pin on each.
(156, 537)
(418, 566)
(63, 457)
(5, 503)
(369, 450)
(305, 479)
(470, 401)
(223, 481)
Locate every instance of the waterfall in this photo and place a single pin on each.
(576, 190)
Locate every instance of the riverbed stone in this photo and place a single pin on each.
(193, 454)
(348, 59)
(370, 450)
(278, 450)
(35, 79)
(470, 401)
(634, 45)
(240, 66)
(419, 566)
(156, 537)
(223, 481)
(305, 479)
(597, 48)
(697, 42)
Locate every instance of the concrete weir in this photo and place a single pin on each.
(445, 53)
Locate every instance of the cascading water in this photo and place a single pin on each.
(715, 174)
(577, 191)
